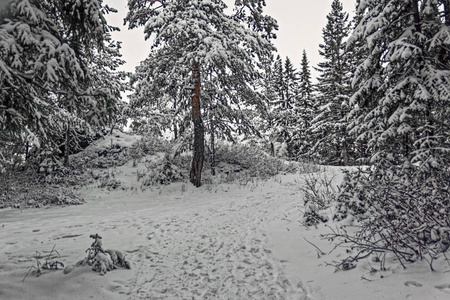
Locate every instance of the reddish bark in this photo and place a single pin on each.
(199, 132)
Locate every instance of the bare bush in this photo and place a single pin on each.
(398, 211)
(319, 194)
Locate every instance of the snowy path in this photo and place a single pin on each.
(216, 253)
(182, 242)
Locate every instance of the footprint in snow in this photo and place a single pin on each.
(443, 288)
(413, 283)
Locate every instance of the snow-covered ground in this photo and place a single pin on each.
(220, 241)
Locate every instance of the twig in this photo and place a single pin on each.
(29, 270)
(320, 251)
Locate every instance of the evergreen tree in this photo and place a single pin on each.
(202, 55)
(304, 109)
(282, 107)
(278, 79)
(401, 108)
(290, 84)
(357, 53)
(406, 120)
(265, 122)
(289, 112)
(329, 126)
(57, 63)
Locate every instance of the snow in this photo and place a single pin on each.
(220, 241)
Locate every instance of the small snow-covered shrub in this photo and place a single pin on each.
(163, 171)
(106, 179)
(251, 161)
(401, 211)
(148, 145)
(319, 194)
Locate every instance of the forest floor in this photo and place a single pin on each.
(219, 241)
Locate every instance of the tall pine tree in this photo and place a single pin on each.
(197, 43)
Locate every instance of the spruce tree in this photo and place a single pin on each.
(401, 108)
(304, 109)
(57, 65)
(278, 79)
(406, 119)
(282, 108)
(329, 127)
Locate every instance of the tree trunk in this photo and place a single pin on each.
(406, 149)
(447, 12)
(272, 149)
(444, 56)
(175, 127)
(199, 131)
(27, 151)
(213, 149)
(416, 14)
(345, 159)
(66, 150)
(175, 131)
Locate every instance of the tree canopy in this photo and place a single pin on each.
(57, 62)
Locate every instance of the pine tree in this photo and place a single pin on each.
(57, 63)
(196, 43)
(329, 126)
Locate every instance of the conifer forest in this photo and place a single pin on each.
(218, 168)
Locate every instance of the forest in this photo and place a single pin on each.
(219, 104)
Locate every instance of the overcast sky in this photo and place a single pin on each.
(300, 21)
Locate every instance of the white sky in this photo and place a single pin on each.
(300, 27)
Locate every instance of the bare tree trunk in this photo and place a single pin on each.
(447, 11)
(406, 142)
(345, 159)
(416, 14)
(27, 151)
(444, 56)
(175, 127)
(199, 131)
(66, 150)
(213, 149)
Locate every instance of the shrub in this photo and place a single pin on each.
(163, 171)
(401, 211)
(319, 195)
(251, 161)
